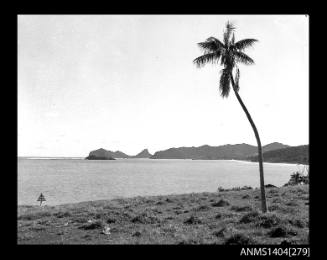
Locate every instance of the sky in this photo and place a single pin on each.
(128, 82)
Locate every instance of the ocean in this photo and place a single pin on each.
(75, 180)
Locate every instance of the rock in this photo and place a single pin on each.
(102, 154)
(144, 154)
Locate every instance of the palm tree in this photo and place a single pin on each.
(230, 53)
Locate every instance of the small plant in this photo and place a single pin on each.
(269, 220)
(241, 208)
(220, 203)
(281, 231)
(250, 217)
(193, 220)
(239, 239)
(93, 225)
(62, 214)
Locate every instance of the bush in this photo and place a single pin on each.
(93, 225)
(281, 231)
(241, 208)
(219, 233)
(250, 217)
(220, 203)
(297, 223)
(111, 220)
(61, 214)
(239, 239)
(269, 220)
(278, 232)
(137, 234)
(202, 208)
(193, 220)
(144, 219)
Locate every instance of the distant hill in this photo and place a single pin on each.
(94, 157)
(144, 154)
(206, 152)
(274, 146)
(106, 154)
(292, 154)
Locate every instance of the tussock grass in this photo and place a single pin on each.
(232, 217)
(220, 203)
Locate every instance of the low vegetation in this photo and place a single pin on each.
(226, 217)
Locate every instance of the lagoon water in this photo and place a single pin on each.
(75, 180)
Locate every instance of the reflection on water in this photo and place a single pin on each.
(65, 181)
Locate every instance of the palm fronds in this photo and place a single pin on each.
(211, 45)
(243, 58)
(242, 44)
(229, 54)
(206, 58)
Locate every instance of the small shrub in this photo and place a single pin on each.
(202, 208)
(292, 204)
(144, 219)
(62, 214)
(218, 216)
(297, 223)
(94, 225)
(239, 239)
(270, 186)
(193, 220)
(241, 208)
(276, 200)
(249, 217)
(281, 231)
(219, 233)
(136, 234)
(80, 220)
(220, 203)
(111, 220)
(278, 232)
(246, 196)
(269, 220)
(273, 207)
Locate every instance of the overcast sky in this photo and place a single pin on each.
(127, 82)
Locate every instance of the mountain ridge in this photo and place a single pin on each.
(204, 152)
(207, 152)
(293, 154)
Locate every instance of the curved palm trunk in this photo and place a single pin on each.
(262, 182)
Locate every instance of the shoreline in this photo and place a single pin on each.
(188, 159)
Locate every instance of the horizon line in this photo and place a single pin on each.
(56, 156)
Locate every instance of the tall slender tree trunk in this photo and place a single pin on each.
(260, 156)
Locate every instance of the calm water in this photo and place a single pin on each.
(66, 181)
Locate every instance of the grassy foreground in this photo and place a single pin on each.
(229, 217)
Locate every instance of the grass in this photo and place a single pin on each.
(227, 217)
